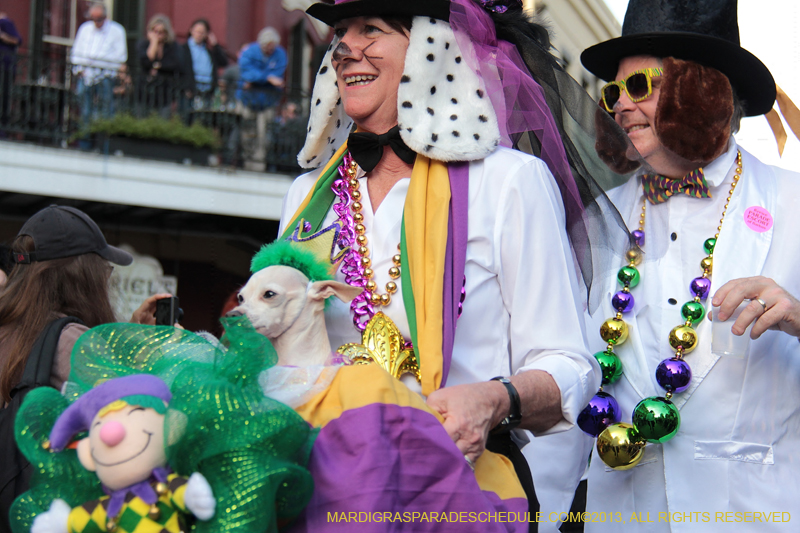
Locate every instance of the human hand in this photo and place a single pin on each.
(275, 81)
(212, 39)
(153, 36)
(146, 312)
(54, 520)
(780, 311)
(246, 86)
(199, 498)
(470, 412)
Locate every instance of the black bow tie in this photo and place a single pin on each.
(367, 148)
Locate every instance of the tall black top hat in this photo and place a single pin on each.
(331, 12)
(704, 31)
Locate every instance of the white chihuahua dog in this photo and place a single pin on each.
(287, 308)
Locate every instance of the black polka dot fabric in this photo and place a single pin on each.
(442, 107)
(328, 126)
(451, 119)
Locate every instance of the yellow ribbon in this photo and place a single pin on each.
(790, 113)
(426, 214)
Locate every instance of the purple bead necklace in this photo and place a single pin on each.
(356, 264)
(655, 419)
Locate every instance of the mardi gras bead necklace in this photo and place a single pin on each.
(357, 265)
(655, 419)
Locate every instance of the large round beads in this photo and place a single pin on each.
(674, 375)
(614, 331)
(700, 287)
(602, 411)
(622, 301)
(610, 366)
(656, 419)
(693, 311)
(620, 447)
(684, 337)
(628, 276)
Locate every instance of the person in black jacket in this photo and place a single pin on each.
(203, 57)
(162, 69)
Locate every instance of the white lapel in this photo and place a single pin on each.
(740, 252)
(627, 198)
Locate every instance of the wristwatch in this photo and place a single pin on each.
(515, 411)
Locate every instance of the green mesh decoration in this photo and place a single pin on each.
(252, 450)
(291, 254)
(55, 475)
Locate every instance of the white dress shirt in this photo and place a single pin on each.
(523, 310)
(738, 446)
(98, 52)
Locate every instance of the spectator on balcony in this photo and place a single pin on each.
(162, 71)
(229, 81)
(203, 57)
(262, 68)
(285, 138)
(97, 54)
(9, 42)
(123, 89)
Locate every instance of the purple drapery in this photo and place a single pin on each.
(455, 258)
(518, 100)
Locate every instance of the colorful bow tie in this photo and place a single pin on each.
(658, 189)
(367, 148)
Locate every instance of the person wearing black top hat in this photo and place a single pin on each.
(704, 428)
(62, 266)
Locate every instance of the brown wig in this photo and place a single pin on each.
(39, 292)
(695, 107)
(611, 144)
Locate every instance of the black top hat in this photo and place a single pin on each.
(61, 231)
(332, 12)
(704, 31)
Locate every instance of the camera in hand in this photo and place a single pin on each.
(168, 311)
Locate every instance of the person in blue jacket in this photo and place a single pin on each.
(262, 66)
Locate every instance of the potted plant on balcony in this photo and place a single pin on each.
(155, 137)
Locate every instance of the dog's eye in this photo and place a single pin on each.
(240, 298)
(269, 294)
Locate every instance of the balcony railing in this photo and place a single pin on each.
(50, 101)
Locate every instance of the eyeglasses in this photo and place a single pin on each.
(638, 86)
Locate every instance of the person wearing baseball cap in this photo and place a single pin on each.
(61, 268)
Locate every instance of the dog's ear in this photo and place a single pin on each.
(321, 290)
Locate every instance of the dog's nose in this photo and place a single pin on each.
(233, 313)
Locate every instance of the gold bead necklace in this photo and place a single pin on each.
(363, 250)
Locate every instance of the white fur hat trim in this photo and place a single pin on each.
(443, 110)
(328, 126)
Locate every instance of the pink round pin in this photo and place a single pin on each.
(758, 219)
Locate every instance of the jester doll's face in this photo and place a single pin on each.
(124, 445)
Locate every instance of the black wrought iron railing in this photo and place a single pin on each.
(47, 99)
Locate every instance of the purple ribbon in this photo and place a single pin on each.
(455, 259)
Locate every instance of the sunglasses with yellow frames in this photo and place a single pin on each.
(638, 86)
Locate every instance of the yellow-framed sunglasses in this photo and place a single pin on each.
(638, 86)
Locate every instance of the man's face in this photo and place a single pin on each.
(124, 446)
(268, 48)
(638, 119)
(97, 16)
(199, 33)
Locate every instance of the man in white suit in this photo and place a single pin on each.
(711, 438)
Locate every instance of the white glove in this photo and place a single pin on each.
(53, 521)
(198, 498)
